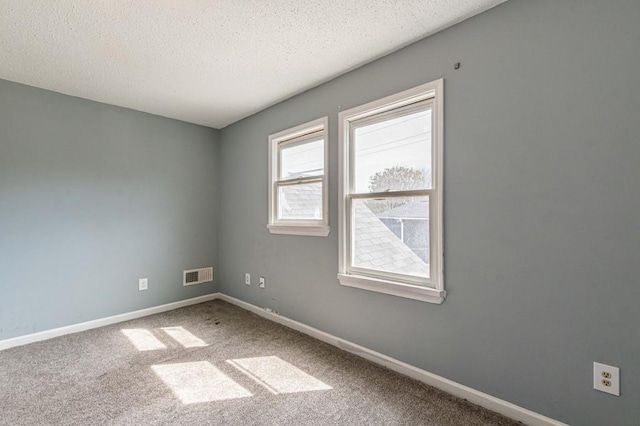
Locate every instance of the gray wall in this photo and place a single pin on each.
(542, 209)
(93, 197)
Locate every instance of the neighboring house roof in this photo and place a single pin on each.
(303, 201)
(379, 248)
(415, 210)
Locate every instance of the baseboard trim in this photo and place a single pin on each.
(482, 399)
(88, 325)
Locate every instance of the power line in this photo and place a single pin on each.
(415, 117)
(374, 149)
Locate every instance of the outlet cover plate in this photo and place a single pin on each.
(606, 378)
(143, 284)
(247, 278)
(263, 282)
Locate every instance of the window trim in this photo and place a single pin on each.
(304, 133)
(385, 283)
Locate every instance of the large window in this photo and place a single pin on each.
(391, 195)
(298, 180)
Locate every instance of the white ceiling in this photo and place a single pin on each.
(210, 62)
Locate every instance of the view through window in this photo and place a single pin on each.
(392, 174)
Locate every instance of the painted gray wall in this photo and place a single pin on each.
(542, 210)
(93, 197)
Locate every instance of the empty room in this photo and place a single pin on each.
(296, 212)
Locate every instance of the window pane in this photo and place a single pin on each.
(394, 155)
(302, 160)
(302, 202)
(392, 235)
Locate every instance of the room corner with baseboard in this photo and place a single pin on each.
(153, 269)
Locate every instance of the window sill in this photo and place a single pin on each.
(424, 294)
(312, 231)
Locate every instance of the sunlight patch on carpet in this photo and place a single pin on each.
(184, 337)
(196, 382)
(143, 339)
(278, 376)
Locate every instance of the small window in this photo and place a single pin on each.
(391, 195)
(298, 180)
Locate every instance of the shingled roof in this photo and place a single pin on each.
(303, 201)
(377, 247)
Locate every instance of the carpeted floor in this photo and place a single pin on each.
(212, 364)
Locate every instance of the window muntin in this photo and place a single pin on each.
(298, 181)
(391, 195)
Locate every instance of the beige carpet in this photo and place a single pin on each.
(212, 364)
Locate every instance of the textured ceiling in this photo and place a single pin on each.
(206, 62)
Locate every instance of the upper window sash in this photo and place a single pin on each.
(294, 142)
(396, 112)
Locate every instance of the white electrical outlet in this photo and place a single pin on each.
(263, 282)
(606, 378)
(247, 278)
(143, 284)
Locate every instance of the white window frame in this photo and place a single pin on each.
(304, 133)
(427, 290)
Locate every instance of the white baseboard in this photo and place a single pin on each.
(482, 399)
(75, 328)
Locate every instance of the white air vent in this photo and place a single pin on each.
(197, 276)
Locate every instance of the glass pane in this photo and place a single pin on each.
(302, 160)
(302, 202)
(392, 235)
(394, 155)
